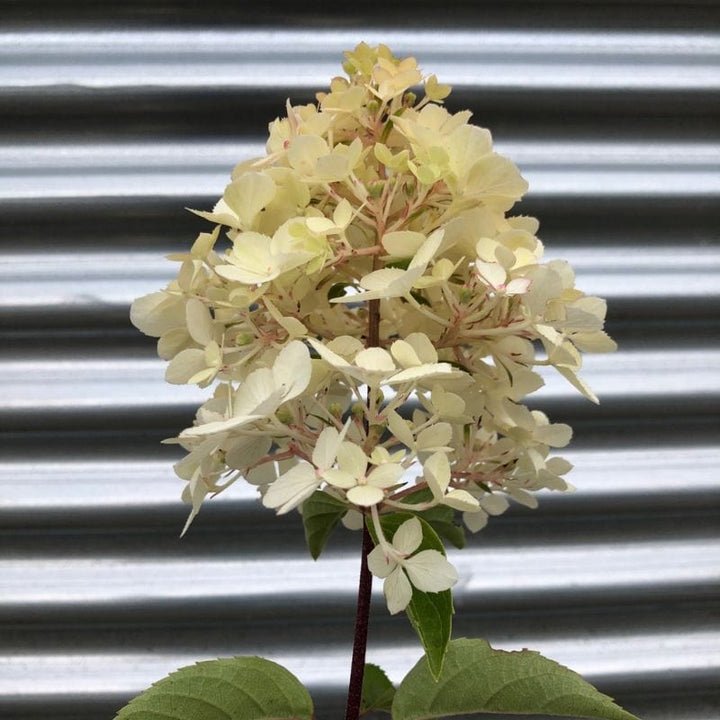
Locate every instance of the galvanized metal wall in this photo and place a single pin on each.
(115, 118)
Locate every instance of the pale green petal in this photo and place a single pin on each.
(352, 459)
(556, 435)
(408, 536)
(422, 371)
(365, 495)
(435, 437)
(397, 591)
(380, 564)
(403, 243)
(475, 521)
(437, 474)
(248, 195)
(327, 446)
(375, 360)
(494, 504)
(399, 428)
(461, 500)
(292, 369)
(430, 571)
(385, 476)
(404, 354)
(340, 478)
(292, 488)
(423, 347)
(184, 365)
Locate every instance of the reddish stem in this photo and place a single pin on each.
(362, 619)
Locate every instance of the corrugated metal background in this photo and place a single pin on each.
(115, 118)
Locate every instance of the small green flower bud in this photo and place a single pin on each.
(357, 409)
(335, 410)
(376, 188)
(243, 339)
(284, 416)
(373, 106)
(409, 99)
(465, 295)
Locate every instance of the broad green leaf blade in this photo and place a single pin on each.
(429, 613)
(441, 518)
(477, 679)
(321, 513)
(240, 688)
(377, 690)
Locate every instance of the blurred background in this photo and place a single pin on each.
(114, 118)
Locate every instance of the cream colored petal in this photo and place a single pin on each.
(475, 521)
(385, 476)
(436, 471)
(403, 243)
(291, 489)
(430, 571)
(422, 371)
(408, 537)
(494, 504)
(461, 500)
(397, 591)
(375, 360)
(365, 495)
(379, 563)
(352, 459)
(435, 437)
(184, 365)
(404, 354)
(292, 368)
(340, 478)
(399, 428)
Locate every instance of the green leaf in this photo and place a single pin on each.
(441, 518)
(320, 513)
(337, 290)
(477, 679)
(430, 614)
(377, 690)
(240, 688)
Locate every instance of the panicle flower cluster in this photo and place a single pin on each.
(371, 318)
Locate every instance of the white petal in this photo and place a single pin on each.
(291, 488)
(219, 426)
(385, 476)
(403, 243)
(555, 435)
(184, 365)
(405, 354)
(408, 536)
(326, 448)
(429, 571)
(494, 504)
(461, 500)
(415, 373)
(292, 369)
(437, 474)
(339, 478)
(475, 521)
(199, 322)
(397, 591)
(365, 495)
(400, 429)
(380, 564)
(352, 459)
(423, 347)
(435, 437)
(375, 359)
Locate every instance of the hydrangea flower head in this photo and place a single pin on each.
(372, 317)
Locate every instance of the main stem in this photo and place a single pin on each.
(362, 617)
